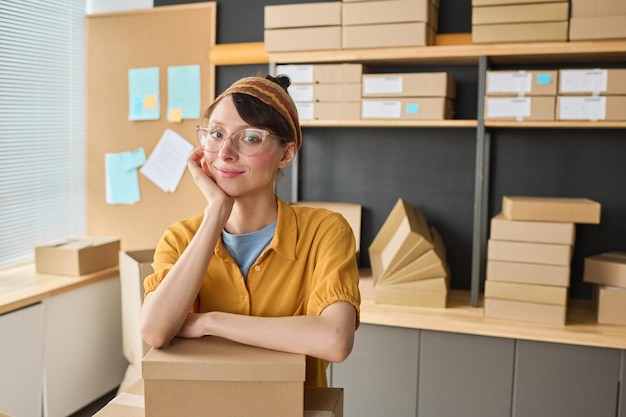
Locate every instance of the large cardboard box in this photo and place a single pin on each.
(607, 268)
(522, 83)
(611, 305)
(420, 84)
(599, 27)
(302, 15)
(325, 92)
(414, 294)
(551, 209)
(586, 8)
(535, 253)
(529, 273)
(303, 39)
(418, 108)
(605, 108)
(387, 35)
(77, 256)
(217, 377)
(135, 266)
(520, 32)
(322, 73)
(318, 402)
(533, 293)
(388, 11)
(521, 13)
(525, 311)
(520, 108)
(403, 236)
(599, 81)
(532, 231)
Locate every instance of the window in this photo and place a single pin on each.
(42, 124)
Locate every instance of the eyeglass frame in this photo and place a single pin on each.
(206, 129)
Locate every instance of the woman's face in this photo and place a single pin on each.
(237, 174)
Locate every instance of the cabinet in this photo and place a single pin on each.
(21, 361)
(485, 201)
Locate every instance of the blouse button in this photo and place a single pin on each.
(245, 298)
(257, 268)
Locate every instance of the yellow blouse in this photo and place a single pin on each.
(309, 264)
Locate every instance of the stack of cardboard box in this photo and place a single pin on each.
(418, 96)
(607, 272)
(519, 20)
(592, 94)
(408, 260)
(388, 23)
(597, 19)
(521, 95)
(303, 27)
(529, 256)
(325, 91)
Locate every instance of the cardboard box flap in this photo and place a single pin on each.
(217, 359)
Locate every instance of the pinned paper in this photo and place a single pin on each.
(122, 182)
(183, 91)
(166, 165)
(175, 115)
(143, 88)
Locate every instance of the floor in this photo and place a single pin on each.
(95, 406)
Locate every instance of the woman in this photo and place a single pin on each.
(253, 268)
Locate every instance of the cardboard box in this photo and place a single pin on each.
(606, 108)
(419, 108)
(413, 294)
(520, 108)
(387, 35)
(77, 256)
(389, 11)
(524, 311)
(135, 266)
(303, 15)
(420, 84)
(403, 236)
(597, 28)
(532, 293)
(217, 377)
(476, 3)
(322, 73)
(521, 13)
(611, 305)
(318, 402)
(520, 32)
(607, 268)
(303, 39)
(522, 83)
(532, 231)
(345, 110)
(594, 82)
(325, 92)
(528, 273)
(535, 253)
(551, 209)
(586, 8)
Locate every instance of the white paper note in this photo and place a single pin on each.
(166, 165)
(381, 109)
(509, 82)
(582, 108)
(583, 81)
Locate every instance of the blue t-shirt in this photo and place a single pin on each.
(246, 248)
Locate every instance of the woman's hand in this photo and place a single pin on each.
(199, 169)
(193, 327)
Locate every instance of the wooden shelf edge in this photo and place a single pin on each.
(556, 124)
(390, 123)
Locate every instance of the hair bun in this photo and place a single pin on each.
(282, 79)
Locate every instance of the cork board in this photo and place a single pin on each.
(117, 42)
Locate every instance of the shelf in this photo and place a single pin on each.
(556, 124)
(466, 54)
(389, 123)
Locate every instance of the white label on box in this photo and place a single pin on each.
(516, 83)
(306, 111)
(374, 109)
(298, 73)
(301, 92)
(584, 81)
(582, 108)
(518, 107)
(382, 85)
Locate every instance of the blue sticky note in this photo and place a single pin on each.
(544, 78)
(122, 180)
(412, 108)
(143, 91)
(183, 90)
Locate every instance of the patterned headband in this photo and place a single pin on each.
(271, 94)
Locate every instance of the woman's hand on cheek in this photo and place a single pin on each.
(199, 170)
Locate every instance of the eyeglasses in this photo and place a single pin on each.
(248, 141)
